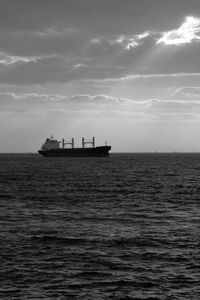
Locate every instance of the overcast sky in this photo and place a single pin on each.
(125, 71)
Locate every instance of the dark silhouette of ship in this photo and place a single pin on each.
(51, 148)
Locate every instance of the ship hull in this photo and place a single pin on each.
(77, 152)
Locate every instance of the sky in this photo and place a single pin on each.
(124, 71)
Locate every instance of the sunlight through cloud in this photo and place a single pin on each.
(188, 31)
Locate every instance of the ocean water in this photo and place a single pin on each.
(123, 227)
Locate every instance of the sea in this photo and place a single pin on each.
(120, 227)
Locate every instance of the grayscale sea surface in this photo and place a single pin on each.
(123, 227)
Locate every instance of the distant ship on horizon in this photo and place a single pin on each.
(51, 148)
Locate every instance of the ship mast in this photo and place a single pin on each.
(68, 143)
(90, 142)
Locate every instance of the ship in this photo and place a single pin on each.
(55, 148)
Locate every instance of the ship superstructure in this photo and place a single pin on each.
(55, 148)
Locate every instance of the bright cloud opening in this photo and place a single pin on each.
(188, 31)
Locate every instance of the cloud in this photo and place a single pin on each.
(189, 90)
(93, 42)
(189, 31)
(10, 101)
(109, 46)
(43, 42)
(143, 76)
(99, 103)
(61, 54)
(119, 50)
(50, 68)
(189, 93)
(173, 116)
(129, 42)
(6, 59)
(27, 108)
(105, 16)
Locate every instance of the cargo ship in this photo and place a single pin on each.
(55, 148)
